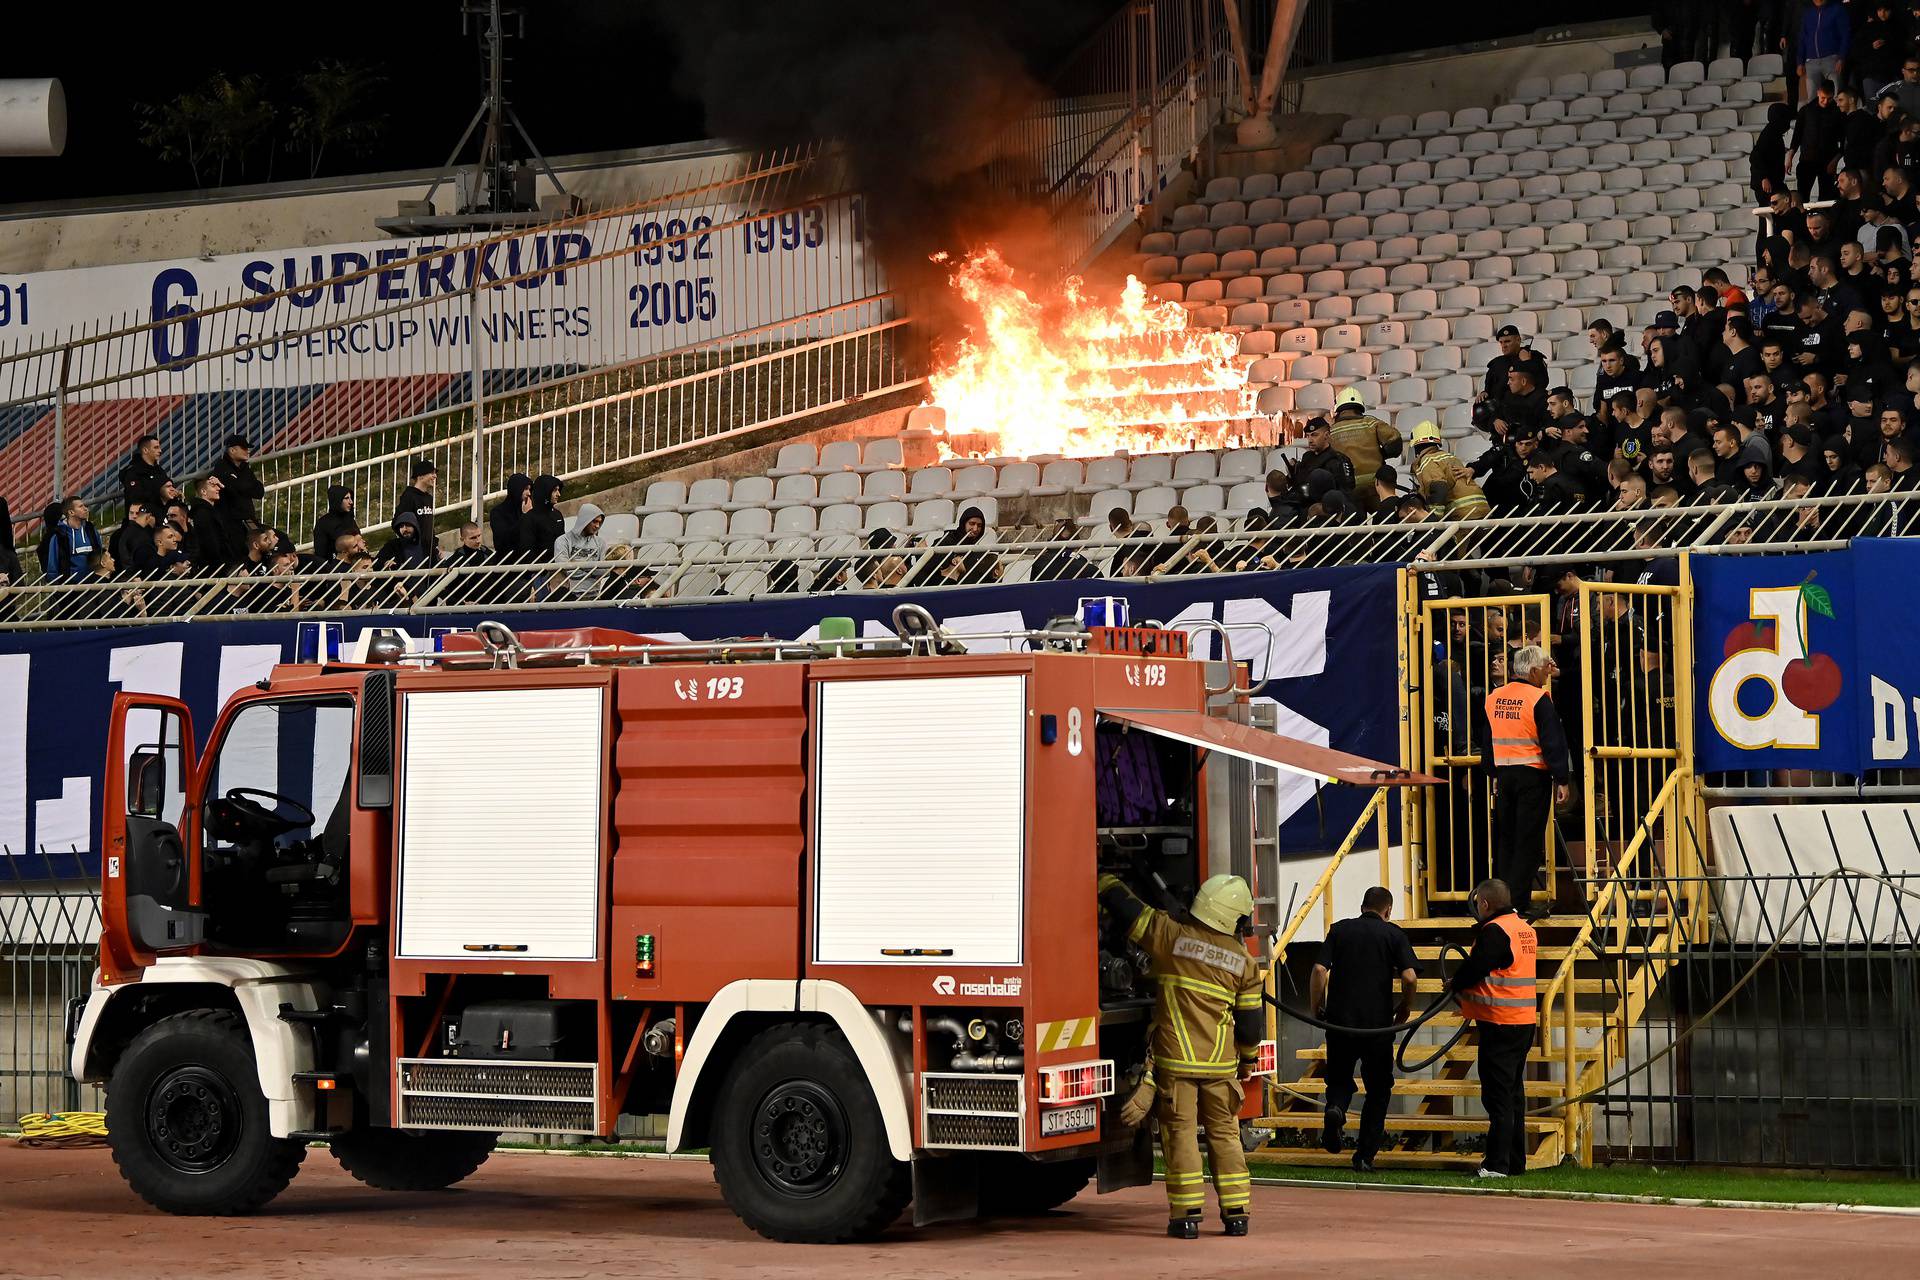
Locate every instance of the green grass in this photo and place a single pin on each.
(1642, 1180)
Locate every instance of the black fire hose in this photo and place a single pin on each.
(1403, 1030)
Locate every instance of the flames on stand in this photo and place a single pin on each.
(1079, 377)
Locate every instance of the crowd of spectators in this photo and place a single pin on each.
(1802, 384)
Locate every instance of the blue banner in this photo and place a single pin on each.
(1808, 662)
(1330, 662)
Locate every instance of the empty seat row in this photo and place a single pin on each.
(897, 513)
(1664, 126)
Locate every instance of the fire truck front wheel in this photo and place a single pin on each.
(403, 1160)
(799, 1147)
(187, 1122)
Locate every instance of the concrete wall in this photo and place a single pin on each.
(286, 215)
(1471, 75)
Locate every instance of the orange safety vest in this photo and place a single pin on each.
(1507, 996)
(1516, 739)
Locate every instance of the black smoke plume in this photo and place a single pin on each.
(915, 91)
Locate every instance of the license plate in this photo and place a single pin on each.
(1061, 1120)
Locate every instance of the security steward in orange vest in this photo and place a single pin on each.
(1496, 990)
(1530, 771)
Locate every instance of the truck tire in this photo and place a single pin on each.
(187, 1122)
(406, 1160)
(799, 1148)
(1014, 1186)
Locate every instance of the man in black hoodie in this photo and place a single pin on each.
(504, 519)
(216, 542)
(143, 479)
(338, 520)
(1818, 132)
(131, 545)
(542, 522)
(418, 498)
(240, 488)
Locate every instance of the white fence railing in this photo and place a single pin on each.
(654, 572)
(312, 356)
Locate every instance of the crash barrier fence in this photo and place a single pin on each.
(730, 300)
(49, 937)
(1786, 1032)
(775, 565)
(1136, 101)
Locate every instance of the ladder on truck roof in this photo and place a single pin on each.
(493, 645)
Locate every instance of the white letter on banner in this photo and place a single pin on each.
(1782, 724)
(1292, 791)
(1299, 646)
(66, 822)
(1889, 720)
(985, 623)
(249, 757)
(14, 669)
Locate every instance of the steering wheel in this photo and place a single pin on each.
(280, 815)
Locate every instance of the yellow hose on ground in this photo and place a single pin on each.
(63, 1129)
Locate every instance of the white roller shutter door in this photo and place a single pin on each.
(920, 820)
(501, 854)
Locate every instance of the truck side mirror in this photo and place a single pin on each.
(147, 783)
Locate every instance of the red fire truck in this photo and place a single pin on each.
(828, 907)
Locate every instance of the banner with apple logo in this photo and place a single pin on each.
(1799, 670)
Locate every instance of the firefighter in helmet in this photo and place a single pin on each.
(1367, 442)
(1207, 1027)
(1443, 479)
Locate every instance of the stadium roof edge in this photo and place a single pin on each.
(395, 178)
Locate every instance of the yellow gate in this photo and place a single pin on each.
(1623, 694)
(1459, 649)
(1634, 709)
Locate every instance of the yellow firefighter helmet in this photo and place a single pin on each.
(1426, 433)
(1222, 903)
(1349, 397)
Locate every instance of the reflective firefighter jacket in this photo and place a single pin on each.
(1207, 1019)
(1367, 442)
(1459, 498)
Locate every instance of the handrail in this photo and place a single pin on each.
(1323, 886)
(1604, 901)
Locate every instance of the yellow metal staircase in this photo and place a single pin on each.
(1600, 964)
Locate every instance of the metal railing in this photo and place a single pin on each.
(744, 261)
(772, 564)
(1136, 101)
(49, 933)
(1811, 1055)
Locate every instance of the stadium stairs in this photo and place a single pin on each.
(1440, 1125)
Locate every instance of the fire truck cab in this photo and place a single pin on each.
(829, 907)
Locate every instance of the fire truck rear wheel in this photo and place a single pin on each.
(1014, 1186)
(187, 1122)
(799, 1147)
(402, 1160)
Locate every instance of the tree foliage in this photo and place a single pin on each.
(337, 108)
(231, 128)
